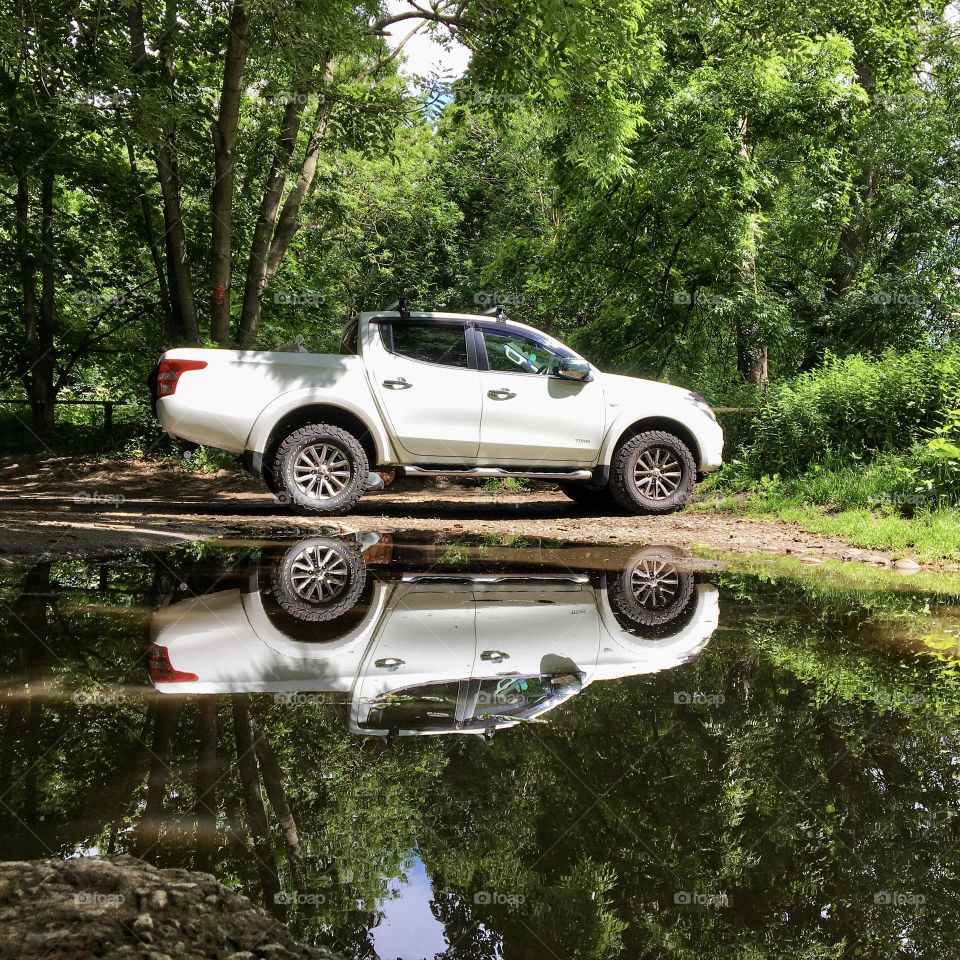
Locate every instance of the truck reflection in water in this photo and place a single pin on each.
(421, 639)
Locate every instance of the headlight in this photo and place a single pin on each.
(700, 401)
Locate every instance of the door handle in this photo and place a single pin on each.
(495, 656)
(401, 383)
(501, 394)
(389, 663)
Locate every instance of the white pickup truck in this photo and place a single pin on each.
(440, 394)
(421, 647)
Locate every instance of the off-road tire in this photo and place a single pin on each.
(623, 484)
(312, 435)
(589, 496)
(284, 580)
(648, 613)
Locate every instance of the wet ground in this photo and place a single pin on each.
(66, 506)
(414, 745)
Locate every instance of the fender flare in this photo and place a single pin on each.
(671, 651)
(293, 400)
(628, 418)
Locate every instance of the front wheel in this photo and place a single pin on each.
(653, 472)
(321, 469)
(652, 597)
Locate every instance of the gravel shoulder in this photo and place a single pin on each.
(67, 506)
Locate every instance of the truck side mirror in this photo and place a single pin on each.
(571, 369)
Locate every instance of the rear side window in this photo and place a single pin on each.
(348, 342)
(442, 343)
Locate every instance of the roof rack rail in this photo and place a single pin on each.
(401, 307)
(498, 312)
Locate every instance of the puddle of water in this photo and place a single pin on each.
(478, 749)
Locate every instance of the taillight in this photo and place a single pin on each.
(170, 371)
(162, 670)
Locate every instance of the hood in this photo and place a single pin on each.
(620, 389)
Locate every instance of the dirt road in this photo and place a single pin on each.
(64, 506)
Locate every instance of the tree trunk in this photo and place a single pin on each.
(9, 741)
(150, 235)
(166, 718)
(178, 256)
(751, 355)
(253, 801)
(846, 262)
(273, 781)
(124, 784)
(266, 220)
(28, 634)
(289, 220)
(205, 808)
(183, 308)
(39, 355)
(221, 199)
(751, 348)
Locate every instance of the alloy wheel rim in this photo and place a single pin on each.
(319, 574)
(657, 473)
(655, 583)
(321, 471)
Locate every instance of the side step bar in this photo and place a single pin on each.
(498, 472)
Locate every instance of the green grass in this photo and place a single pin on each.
(834, 577)
(844, 510)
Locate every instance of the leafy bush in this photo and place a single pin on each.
(854, 406)
(936, 464)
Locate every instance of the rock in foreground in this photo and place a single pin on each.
(122, 907)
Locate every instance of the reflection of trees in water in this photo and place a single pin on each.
(798, 797)
(91, 757)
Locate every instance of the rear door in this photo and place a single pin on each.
(428, 389)
(426, 637)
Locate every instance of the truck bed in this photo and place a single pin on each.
(219, 405)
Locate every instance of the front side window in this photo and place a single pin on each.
(431, 705)
(442, 343)
(511, 352)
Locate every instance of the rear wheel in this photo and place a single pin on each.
(653, 472)
(321, 469)
(319, 579)
(588, 495)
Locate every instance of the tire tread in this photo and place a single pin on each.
(621, 480)
(308, 432)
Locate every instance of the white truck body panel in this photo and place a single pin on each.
(425, 413)
(421, 633)
(432, 410)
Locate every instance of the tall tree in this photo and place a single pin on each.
(225, 146)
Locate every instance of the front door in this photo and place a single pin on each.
(530, 415)
(536, 627)
(426, 389)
